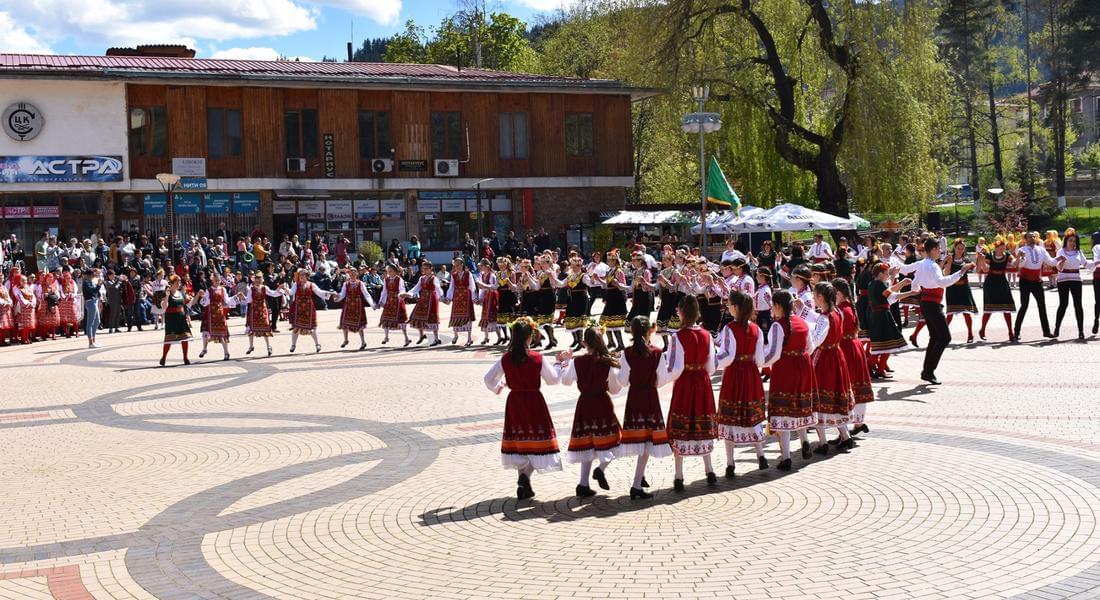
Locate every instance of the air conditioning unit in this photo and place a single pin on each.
(381, 165)
(446, 167)
(295, 165)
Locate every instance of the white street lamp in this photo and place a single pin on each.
(702, 123)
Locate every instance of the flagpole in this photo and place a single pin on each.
(703, 188)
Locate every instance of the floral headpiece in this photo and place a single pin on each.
(525, 320)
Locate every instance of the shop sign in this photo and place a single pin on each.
(155, 206)
(60, 169)
(187, 204)
(22, 121)
(17, 212)
(412, 165)
(393, 206)
(46, 212)
(427, 206)
(471, 205)
(284, 207)
(248, 203)
(192, 183)
(329, 146)
(338, 210)
(215, 204)
(189, 167)
(454, 205)
(366, 208)
(311, 208)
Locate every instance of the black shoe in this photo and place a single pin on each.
(1095, 327)
(834, 442)
(636, 494)
(931, 379)
(822, 450)
(784, 465)
(678, 485)
(525, 490)
(645, 483)
(162, 362)
(600, 478)
(712, 479)
(435, 343)
(583, 491)
(186, 362)
(806, 454)
(763, 462)
(846, 445)
(523, 493)
(730, 474)
(344, 345)
(421, 340)
(862, 428)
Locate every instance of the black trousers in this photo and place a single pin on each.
(274, 305)
(1028, 289)
(939, 334)
(1066, 290)
(1096, 298)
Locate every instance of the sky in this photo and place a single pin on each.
(255, 29)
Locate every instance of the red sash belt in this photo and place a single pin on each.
(934, 295)
(694, 367)
(1030, 275)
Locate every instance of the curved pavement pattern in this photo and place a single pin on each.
(376, 474)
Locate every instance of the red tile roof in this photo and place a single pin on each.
(138, 66)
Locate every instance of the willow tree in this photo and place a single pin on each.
(852, 92)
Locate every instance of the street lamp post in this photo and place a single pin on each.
(702, 123)
(480, 233)
(957, 187)
(168, 182)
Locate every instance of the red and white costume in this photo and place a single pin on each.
(217, 303)
(425, 314)
(691, 415)
(596, 433)
(489, 299)
(460, 295)
(356, 297)
(258, 318)
(643, 422)
(790, 398)
(393, 304)
(833, 389)
(741, 398)
(303, 312)
(529, 441)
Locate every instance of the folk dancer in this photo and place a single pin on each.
(425, 314)
(668, 320)
(257, 311)
(576, 284)
(996, 293)
(613, 317)
(177, 319)
(643, 368)
(1070, 261)
(217, 301)
(791, 393)
(882, 326)
(1031, 259)
(691, 416)
(854, 356)
(157, 288)
(489, 299)
(393, 305)
(833, 385)
(741, 401)
(960, 300)
(529, 442)
(460, 295)
(303, 311)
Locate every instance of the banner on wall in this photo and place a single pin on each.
(186, 204)
(215, 203)
(60, 169)
(246, 203)
(154, 205)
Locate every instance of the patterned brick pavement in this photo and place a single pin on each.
(376, 474)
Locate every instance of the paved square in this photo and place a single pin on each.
(376, 474)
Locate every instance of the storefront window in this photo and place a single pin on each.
(444, 218)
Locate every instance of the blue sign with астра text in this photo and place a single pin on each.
(60, 169)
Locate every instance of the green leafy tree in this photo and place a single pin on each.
(1090, 156)
(407, 46)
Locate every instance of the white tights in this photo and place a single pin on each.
(267, 341)
(404, 332)
(680, 465)
(731, 447)
(586, 470)
(843, 429)
(639, 470)
(294, 338)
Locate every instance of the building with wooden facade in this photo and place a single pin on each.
(372, 151)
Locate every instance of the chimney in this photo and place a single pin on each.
(349, 52)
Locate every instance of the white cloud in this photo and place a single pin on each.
(16, 39)
(255, 53)
(128, 22)
(546, 5)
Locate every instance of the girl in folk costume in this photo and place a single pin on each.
(158, 286)
(854, 356)
(258, 314)
(489, 299)
(23, 306)
(1012, 271)
(69, 307)
(393, 305)
(7, 321)
(1052, 244)
(802, 295)
(980, 248)
(613, 317)
(791, 396)
(833, 390)
(668, 320)
(713, 293)
(303, 312)
(960, 300)
(561, 294)
(741, 399)
(425, 314)
(48, 297)
(529, 442)
(526, 288)
(862, 283)
(691, 425)
(217, 301)
(506, 296)
(762, 300)
(886, 337)
(740, 279)
(544, 303)
(596, 433)
(1070, 261)
(177, 320)
(996, 293)
(641, 289)
(460, 295)
(353, 315)
(644, 369)
(576, 285)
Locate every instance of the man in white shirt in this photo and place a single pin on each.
(928, 278)
(820, 251)
(1031, 258)
(731, 252)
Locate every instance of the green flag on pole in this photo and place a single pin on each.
(719, 191)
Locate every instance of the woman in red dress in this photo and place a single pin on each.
(70, 305)
(425, 314)
(833, 392)
(48, 297)
(23, 308)
(741, 399)
(791, 392)
(393, 305)
(596, 433)
(460, 295)
(644, 368)
(217, 301)
(691, 425)
(529, 442)
(258, 319)
(7, 321)
(303, 312)
(353, 315)
(858, 370)
(489, 299)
